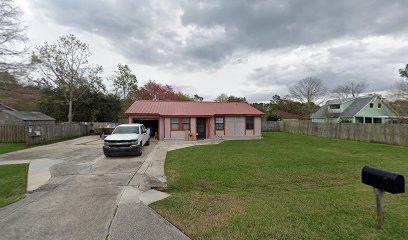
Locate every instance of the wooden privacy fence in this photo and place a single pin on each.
(379, 133)
(271, 126)
(13, 134)
(36, 134)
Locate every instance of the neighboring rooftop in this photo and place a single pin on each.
(356, 106)
(177, 108)
(29, 116)
(338, 101)
(5, 107)
(353, 109)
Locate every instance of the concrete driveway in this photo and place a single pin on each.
(89, 196)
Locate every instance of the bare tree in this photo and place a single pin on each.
(342, 91)
(353, 89)
(64, 65)
(12, 37)
(308, 90)
(357, 88)
(402, 87)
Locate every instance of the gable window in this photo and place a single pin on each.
(219, 123)
(186, 123)
(175, 124)
(249, 123)
(379, 105)
(335, 106)
(371, 105)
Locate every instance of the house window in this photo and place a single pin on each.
(368, 120)
(186, 123)
(379, 105)
(371, 105)
(335, 106)
(178, 124)
(249, 123)
(219, 123)
(377, 120)
(175, 124)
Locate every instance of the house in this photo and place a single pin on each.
(287, 116)
(11, 116)
(206, 120)
(368, 109)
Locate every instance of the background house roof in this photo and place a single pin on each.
(173, 108)
(355, 107)
(351, 111)
(338, 101)
(321, 113)
(29, 116)
(5, 107)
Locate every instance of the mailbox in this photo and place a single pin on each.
(383, 180)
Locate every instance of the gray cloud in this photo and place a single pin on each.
(272, 24)
(282, 41)
(374, 61)
(206, 33)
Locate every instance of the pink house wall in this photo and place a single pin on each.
(234, 128)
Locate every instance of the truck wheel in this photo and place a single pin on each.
(140, 150)
(147, 143)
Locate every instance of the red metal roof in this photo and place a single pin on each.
(173, 108)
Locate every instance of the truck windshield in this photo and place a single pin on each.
(126, 130)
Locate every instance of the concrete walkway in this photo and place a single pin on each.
(88, 196)
(38, 171)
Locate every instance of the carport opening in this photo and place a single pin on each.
(152, 124)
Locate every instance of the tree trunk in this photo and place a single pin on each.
(70, 107)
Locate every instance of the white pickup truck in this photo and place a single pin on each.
(126, 139)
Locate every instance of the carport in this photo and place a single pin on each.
(153, 124)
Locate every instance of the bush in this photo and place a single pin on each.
(273, 117)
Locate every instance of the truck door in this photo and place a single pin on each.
(144, 134)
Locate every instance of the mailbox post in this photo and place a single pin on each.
(382, 181)
(379, 197)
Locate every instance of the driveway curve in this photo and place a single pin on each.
(89, 196)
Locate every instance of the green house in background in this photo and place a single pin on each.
(369, 109)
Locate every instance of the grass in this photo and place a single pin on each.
(11, 147)
(13, 183)
(282, 187)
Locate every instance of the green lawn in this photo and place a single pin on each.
(13, 183)
(11, 147)
(282, 187)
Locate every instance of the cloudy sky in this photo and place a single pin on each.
(246, 48)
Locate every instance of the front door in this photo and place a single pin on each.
(201, 128)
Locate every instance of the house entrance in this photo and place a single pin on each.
(201, 130)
